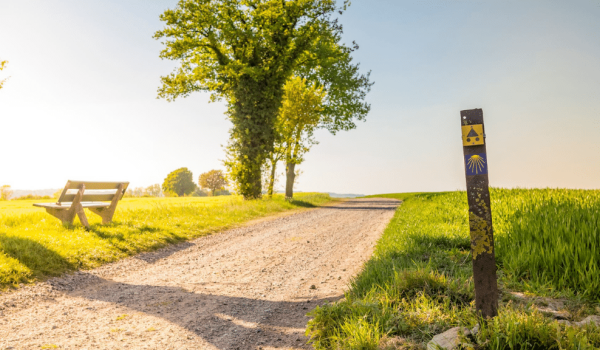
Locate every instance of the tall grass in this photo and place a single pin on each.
(35, 245)
(549, 238)
(419, 281)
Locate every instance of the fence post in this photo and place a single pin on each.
(480, 212)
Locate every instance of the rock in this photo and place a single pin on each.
(449, 340)
(559, 315)
(313, 287)
(590, 319)
(565, 322)
(475, 329)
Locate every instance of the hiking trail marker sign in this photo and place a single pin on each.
(472, 135)
(480, 212)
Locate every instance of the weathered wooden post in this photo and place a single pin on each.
(480, 212)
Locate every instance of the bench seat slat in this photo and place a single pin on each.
(88, 197)
(96, 185)
(67, 205)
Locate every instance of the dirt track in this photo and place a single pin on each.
(247, 288)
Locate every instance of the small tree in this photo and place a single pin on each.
(153, 190)
(138, 192)
(213, 180)
(179, 182)
(2, 66)
(5, 192)
(299, 115)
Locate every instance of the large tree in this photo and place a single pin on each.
(179, 182)
(245, 51)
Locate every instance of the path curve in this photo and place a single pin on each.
(246, 288)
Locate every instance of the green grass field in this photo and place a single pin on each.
(34, 245)
(419, 281)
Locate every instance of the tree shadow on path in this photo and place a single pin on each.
(224, 321)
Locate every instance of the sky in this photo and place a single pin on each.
(81, 102)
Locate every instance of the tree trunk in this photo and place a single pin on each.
(290, 175)
(253, 116)
(272, 179)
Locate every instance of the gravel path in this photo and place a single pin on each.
(247, 288)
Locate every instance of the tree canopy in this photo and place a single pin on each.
(179, 182)
(245, 51)
(213, 180)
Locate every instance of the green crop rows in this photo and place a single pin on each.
(550, 238)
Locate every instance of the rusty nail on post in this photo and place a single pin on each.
(480, 212)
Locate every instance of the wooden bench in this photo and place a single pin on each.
(99, 197)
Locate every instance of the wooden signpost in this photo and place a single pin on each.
(480, 212)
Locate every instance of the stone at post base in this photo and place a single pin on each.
(590, 319)
(450, 339)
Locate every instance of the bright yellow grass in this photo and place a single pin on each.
(34, 244)
(18, 207)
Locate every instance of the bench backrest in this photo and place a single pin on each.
(93, 192)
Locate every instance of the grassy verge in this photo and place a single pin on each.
(34, 245)
(419, 281)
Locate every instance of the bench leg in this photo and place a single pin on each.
(105, 213)
(82, 217)
(65, 215)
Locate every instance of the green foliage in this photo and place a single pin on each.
(179, 182)
(213, 180)
(34, 245)
(346, 89)
(419, 281)
(245, 51)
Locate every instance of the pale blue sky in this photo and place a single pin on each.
(81, 101)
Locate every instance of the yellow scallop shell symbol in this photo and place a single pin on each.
(476, 163)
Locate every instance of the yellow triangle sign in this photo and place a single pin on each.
(472, 135)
